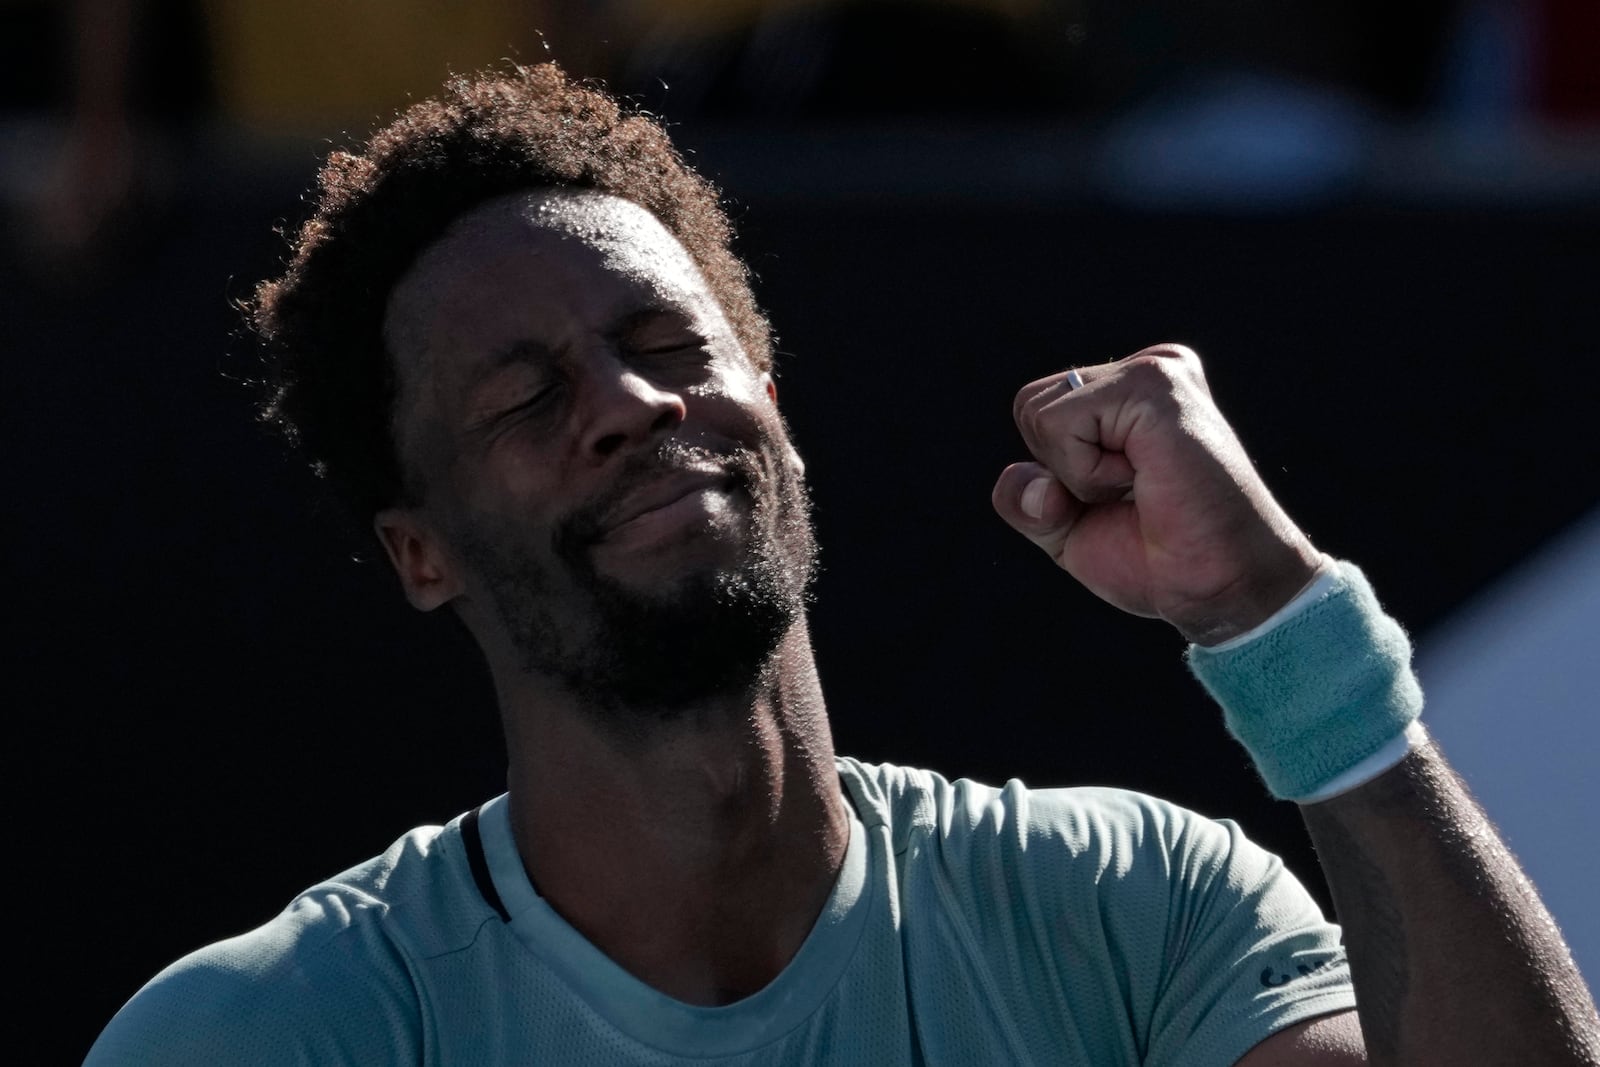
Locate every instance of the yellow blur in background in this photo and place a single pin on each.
(293, 64)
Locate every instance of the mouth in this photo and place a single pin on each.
(665, 505)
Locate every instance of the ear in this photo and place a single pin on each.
(772, 395)
(427, 574)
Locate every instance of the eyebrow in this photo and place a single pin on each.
(528, 350)
(634, 319)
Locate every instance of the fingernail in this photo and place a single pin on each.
(1033, 496)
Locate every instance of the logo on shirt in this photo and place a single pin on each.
(1272, 977)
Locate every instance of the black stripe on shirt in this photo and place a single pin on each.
(479, 863)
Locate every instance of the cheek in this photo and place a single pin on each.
(506, 482)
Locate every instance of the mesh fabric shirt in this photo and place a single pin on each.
(969, 925)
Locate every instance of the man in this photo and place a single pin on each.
(514, 336)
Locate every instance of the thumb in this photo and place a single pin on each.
(1030, 499)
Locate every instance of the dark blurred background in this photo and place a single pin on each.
(1379, 223)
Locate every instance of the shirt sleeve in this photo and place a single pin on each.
(1245, 951)
(320, 984)
(1121, 928)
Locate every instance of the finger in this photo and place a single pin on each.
(1056, 384)
(1039, 394)
(1066, 430)
(1098, 372)
(1032, 502)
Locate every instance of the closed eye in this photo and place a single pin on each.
(689, 351)
(532, 404)
(669, 344)
(660, 333)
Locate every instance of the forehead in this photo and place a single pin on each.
(617, 234)
(550, 262)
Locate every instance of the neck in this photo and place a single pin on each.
(696, 852)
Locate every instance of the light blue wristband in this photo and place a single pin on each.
(1319, 692)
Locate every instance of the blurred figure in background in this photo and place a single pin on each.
(133, 77)
(125, 81)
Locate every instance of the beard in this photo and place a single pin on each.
(638, 655)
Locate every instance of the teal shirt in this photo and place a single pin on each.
(969, 925)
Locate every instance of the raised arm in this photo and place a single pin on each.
(1454, 956)
(1141, 491)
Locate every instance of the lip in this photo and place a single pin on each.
(656, 501)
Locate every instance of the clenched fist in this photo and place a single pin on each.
(1139, 489)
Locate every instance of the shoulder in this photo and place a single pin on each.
(1143, 871)
(1122, 913)
(329, 979)
(1099, 828)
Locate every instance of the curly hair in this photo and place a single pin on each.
(330, 385)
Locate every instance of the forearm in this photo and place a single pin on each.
(1454, 957)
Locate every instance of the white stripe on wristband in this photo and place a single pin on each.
(1390, 754)
(1321, 689)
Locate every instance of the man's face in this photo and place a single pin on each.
(603, 473)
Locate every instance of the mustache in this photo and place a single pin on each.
(585, 524)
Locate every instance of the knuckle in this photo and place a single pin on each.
(1159, 383)
(1174, 350)
(1168, 350)
(1152, 371)
(1169, 369)
(1172, 359)
(1184, 362)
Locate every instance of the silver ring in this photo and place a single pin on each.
(1074, 380)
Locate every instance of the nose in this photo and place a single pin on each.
(626, 410)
